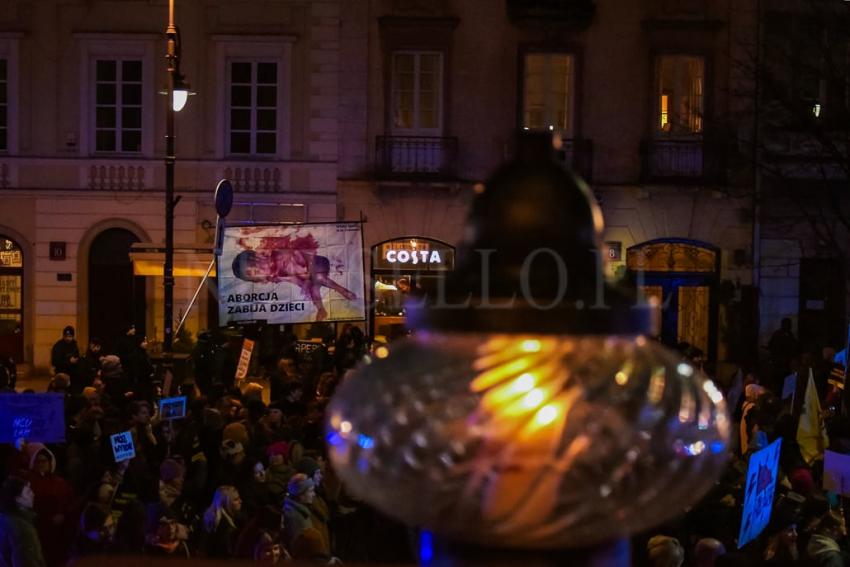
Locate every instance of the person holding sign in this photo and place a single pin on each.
(19, 543)
(293, 260)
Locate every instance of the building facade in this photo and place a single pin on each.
(82, 173)
(388, 111)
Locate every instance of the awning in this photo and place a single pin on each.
(189, 260)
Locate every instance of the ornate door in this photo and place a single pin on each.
(682, 276)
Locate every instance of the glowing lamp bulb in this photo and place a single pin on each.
(179, 98)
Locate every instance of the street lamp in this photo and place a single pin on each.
(178, 93)
(531, 412)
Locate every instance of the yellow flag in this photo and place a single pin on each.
(811, 433)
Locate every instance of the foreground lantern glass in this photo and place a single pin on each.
(528, 427)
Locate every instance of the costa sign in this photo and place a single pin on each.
(413, 254)
(413, 257)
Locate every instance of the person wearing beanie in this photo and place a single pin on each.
(300, 494)
(279, 471)
(65, 354)
(19, 543)
(53, 503)
(115, 383)
(276, 429)
(167, 521)
(235, 468)
(319, 510)
(665, 551)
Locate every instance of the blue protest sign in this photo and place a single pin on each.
(172, 408)
(34, 417)
(789, 386)
(122, 446)
(758, 496)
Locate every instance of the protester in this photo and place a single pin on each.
(19, 542)
(221, 523)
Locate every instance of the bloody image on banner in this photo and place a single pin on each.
(291, 273)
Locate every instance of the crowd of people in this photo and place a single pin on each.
(242, 475)
(807, 523)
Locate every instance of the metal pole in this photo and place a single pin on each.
(168, 268)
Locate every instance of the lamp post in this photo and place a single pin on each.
(177, 95)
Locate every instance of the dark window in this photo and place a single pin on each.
(253, 108)
(118, 105)
(4, 97)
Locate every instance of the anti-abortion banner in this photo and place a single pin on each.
(758, 496)
(244, 359)
(291, 273)
(122, 446)
(836, 472)
(172, 408)
(34, 417)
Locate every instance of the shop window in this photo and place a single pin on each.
(417, 92)
(679, 95)
(11, 299)
(253, 107)
(548, 92)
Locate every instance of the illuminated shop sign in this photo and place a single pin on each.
(413, 254)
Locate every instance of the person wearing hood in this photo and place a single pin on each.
(115, 382)
(89, 367)
(53, 504)
(823, 549)
(19, 543)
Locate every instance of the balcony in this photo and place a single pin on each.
(416, 157)
(577, 154)
(680, 161)
(560, 11)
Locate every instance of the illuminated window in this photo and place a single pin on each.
(118, 105)
(417, 91)
(680, 83)
(253, 111)
(547, 92)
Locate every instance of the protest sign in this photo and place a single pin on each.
(836, 472)
(172, 408)
(789, 386)
(758, 496)
(122, 446)
(33, 417)
(244, 359)
(291, 273)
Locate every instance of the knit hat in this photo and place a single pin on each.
(171, 470)
(110, 365)
(801, 481)
(299, 484)
(307, 466)
(279, 448)
(89, 391)
(68, 331)
(253, 390)
(236, 432)
(665, 550)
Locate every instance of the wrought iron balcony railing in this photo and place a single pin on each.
(682, 161)
(411, 157)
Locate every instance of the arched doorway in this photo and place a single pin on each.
(682, 275)
(116, 296)
(11, 299)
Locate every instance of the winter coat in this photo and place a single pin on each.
(19, 543)
(277, 478)
(221, 543)
(297, 518)
(61, 354)
(54, 498)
